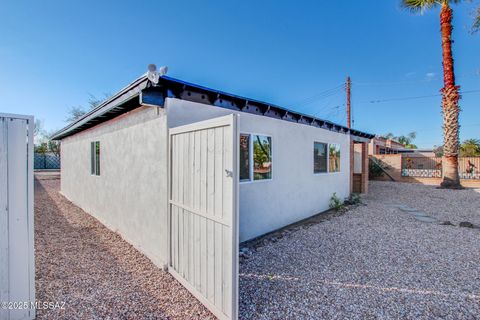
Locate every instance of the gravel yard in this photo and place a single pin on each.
(377, 261)
(95, 272)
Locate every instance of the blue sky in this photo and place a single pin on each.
(53, 54)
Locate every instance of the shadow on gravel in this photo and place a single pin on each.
(94, 271)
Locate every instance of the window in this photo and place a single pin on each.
(255, 157)
(319, 157)
(95, 158)
(244, 157)
(262, 157)
(334, 158)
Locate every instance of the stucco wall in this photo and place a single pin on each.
(130, 195)
(295, 192)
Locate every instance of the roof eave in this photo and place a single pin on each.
(109, 106)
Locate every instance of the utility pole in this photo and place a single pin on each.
(349, 110)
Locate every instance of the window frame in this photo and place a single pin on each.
(251, 162)
(339, 161)
(328, 158)
(95, 158)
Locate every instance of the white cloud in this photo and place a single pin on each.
(410, 74)
(430, 76)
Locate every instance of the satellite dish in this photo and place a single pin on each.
(163, 71)
(153, 75)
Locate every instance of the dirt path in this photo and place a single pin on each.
(96, 273)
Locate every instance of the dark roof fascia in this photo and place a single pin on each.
(175, 88)
(292, 115)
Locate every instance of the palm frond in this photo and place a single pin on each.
(419, 5)
(476, 24)
(422, 5)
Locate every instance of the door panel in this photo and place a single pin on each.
(203, 212)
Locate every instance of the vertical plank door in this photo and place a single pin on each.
(204, 212)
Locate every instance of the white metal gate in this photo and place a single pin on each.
(17, 286)
(204, 212)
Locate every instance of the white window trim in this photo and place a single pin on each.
(250, 150)
(328, 159)
(313, 164)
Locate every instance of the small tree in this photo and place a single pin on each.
(470, 148)
(77, 112)
(406, 140)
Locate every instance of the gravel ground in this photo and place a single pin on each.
(374, 262)
(95, 272)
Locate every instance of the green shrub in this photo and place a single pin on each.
(335, 202)
(353, 199)
(374, 169)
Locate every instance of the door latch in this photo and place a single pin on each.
(228, 173)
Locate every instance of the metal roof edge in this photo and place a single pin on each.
(135, 88)
(102, 108)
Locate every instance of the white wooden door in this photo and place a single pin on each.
(204, 212)
(16, 217)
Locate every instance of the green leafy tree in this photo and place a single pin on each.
(41, 148)
(450, 95)
(406, 140)
(470, 148)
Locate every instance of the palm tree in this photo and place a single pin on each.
(450, 95)
(476, 24)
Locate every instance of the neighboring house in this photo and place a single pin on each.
(173, 167)
(381, 145)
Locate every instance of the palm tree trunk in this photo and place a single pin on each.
(450, 108)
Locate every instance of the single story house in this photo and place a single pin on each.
(184, 173)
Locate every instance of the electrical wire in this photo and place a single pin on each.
(319, 96)
(414, 97)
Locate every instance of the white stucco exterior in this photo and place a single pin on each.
(294, 192)
(130, 195)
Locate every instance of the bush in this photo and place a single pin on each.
(374, 169)
(335, 202)
(353, 199)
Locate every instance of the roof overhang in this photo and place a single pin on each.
(142, 92)
(126, 100)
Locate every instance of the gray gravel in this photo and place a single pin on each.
(374, 262)
(95, 272)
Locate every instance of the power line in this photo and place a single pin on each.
(319, 96)
(415, 97)
(473, 74)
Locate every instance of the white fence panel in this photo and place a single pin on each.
(204, 212)
(17, 285)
